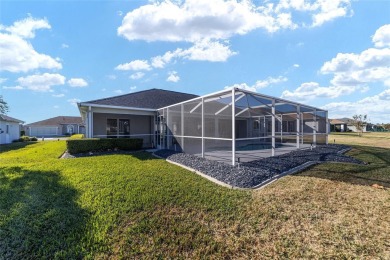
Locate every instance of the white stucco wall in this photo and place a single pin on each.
(13, 132)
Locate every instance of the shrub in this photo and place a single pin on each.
(26, 139)
(104, 144)
(77, 136)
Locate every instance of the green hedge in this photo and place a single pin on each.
(104, 144)
(25, 138)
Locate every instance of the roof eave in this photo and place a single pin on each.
(115, 107)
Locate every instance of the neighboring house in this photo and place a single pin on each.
(345, 124)
(230, 125)
(9, 129)
(56, 126)
(336, 125)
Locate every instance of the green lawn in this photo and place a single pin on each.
(136, 206)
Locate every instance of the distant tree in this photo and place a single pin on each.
(359, 121)
(3, 106)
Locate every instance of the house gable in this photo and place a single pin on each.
(147, 99)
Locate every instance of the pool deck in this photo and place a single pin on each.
(250, 155)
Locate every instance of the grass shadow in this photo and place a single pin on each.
(376, 172)
(39, 216)
(14, 146)
(140, 155)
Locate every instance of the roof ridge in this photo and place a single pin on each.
(100, 99)
(145, 90)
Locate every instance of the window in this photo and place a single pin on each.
(256, 125)
(117, 127)
(7, 129)
(112, 127)
(70, 129)
(124, 127)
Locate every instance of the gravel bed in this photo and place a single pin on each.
(251, 174)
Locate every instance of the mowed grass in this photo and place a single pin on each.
(375, 139)
(136, 206)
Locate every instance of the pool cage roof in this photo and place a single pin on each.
(263, 126)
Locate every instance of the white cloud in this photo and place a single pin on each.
(351, 72)
(64, 46)
(17, 54)
(56, 107)
(118, 91)
(371, 65)
(112, 77)
(376, 107)
(26, 28)
(269, 81)
(381, 37)
(259, 84)
(13, 88)
(133, 88)
(74, 101)
(137, 75)
(204, 50)
(191, 21)
(58, 95)
(330, 10)
(296, 66)
(321, 11)
(173, 77)
(134, 65)
(194, 20)
(77, 82)
(42, 83)
(207, 50)
(311, 90)
(2, 80)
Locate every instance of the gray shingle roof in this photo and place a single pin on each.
(151, 99)
(10, 119)
(58, 120)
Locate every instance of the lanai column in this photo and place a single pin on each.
(327, 127)
(90, 122)
(315, 127)
(273, 127)
(233, 126)
(202, 127)
(168, 138)
(182, 126)
(298, 123)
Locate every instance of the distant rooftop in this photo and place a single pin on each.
(151, 99)
(10, 119)
(58, 120)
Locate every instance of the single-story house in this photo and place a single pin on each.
(345, 125)
(9, 129)
(337, 125)
(231, 125)
(56, 126)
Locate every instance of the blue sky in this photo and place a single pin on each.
(330, 54)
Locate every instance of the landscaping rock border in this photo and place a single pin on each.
(258, 173)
